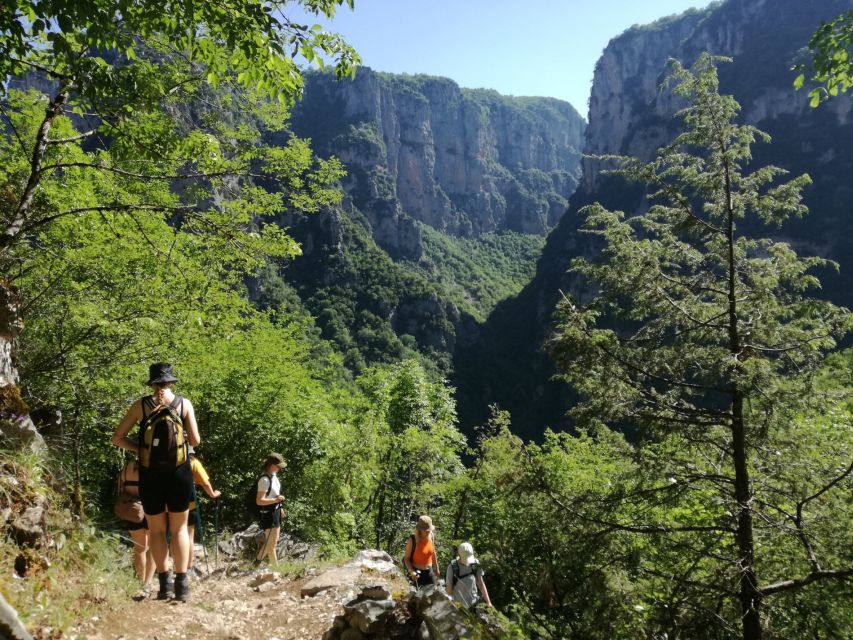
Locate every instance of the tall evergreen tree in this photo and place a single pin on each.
(703, 339)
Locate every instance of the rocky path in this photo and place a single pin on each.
(232, 605)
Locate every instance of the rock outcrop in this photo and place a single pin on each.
(463, 161)
(11, 627)
(630, 115)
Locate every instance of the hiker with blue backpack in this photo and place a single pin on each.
(268, 501)
(167, 426)
(464, 578)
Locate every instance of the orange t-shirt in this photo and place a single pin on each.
(424, 553)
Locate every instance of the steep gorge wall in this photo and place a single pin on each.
(465, 162)
(630, 115)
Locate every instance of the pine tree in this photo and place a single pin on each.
(703, 337)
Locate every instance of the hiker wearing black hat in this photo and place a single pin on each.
(166, 426)
(268, 500)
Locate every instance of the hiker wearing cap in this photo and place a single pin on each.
(166, 426)
(268, 499)
(464, 578)
(202, 479)
(419, 558)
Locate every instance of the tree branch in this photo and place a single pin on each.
(796, 583)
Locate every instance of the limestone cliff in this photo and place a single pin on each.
(630, 114)
(465, 162)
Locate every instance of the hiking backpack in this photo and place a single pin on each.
(253, 509)
(162, 439)
(454, 567)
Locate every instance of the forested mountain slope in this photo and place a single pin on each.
(449, 191)
(630, 115)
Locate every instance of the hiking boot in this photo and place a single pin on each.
(182, 587)
(167, 587)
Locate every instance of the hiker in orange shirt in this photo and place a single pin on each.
(419, 558)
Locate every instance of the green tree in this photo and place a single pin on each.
(415, 448)
(703, 339)
(831, 48)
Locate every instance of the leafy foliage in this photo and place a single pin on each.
(831, 47)
(477, 273)
(703, 339)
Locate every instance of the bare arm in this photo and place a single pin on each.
(120, 439)
(190, 424)
(209, 490)
(481, 585)
(262, 501)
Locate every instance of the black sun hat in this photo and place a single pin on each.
(161, 373)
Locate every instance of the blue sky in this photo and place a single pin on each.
(518, 47)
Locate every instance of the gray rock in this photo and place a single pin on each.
(423, 632)
(28, 528)
(332, 634)
(369, 616)
(332, 579)
(5, 514)
(375, 592)
(10, 625)
(352, 634)
(262, 578)
(21, 432)
(374, 560)
(445, 621)
(340, 623)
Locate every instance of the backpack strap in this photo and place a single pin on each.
(454, 567)
(267, 494)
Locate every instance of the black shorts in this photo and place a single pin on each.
(271, 519)
(424, 577)
(172, 489)
(136, 526)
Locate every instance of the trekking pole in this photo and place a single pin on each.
(216, 534)
(200, 529)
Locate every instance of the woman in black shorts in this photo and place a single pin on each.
(161, 489)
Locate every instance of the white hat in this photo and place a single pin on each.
(466, 554)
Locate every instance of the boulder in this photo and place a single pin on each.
(374, 560)
(262, 578)
(19, 431)
(375, 592)
(11, 626)
(352, 634)
(332, 579)
(28, 528)
(369, 616)
(443, 619)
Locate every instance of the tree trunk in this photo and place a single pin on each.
(750, 596)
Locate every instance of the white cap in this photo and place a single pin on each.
(466, 553)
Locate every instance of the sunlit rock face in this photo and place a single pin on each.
(465, 162)
(631, 114)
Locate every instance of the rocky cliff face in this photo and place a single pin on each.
(630, 115)
(465, 162)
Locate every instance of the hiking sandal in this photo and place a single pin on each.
(143, 594)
